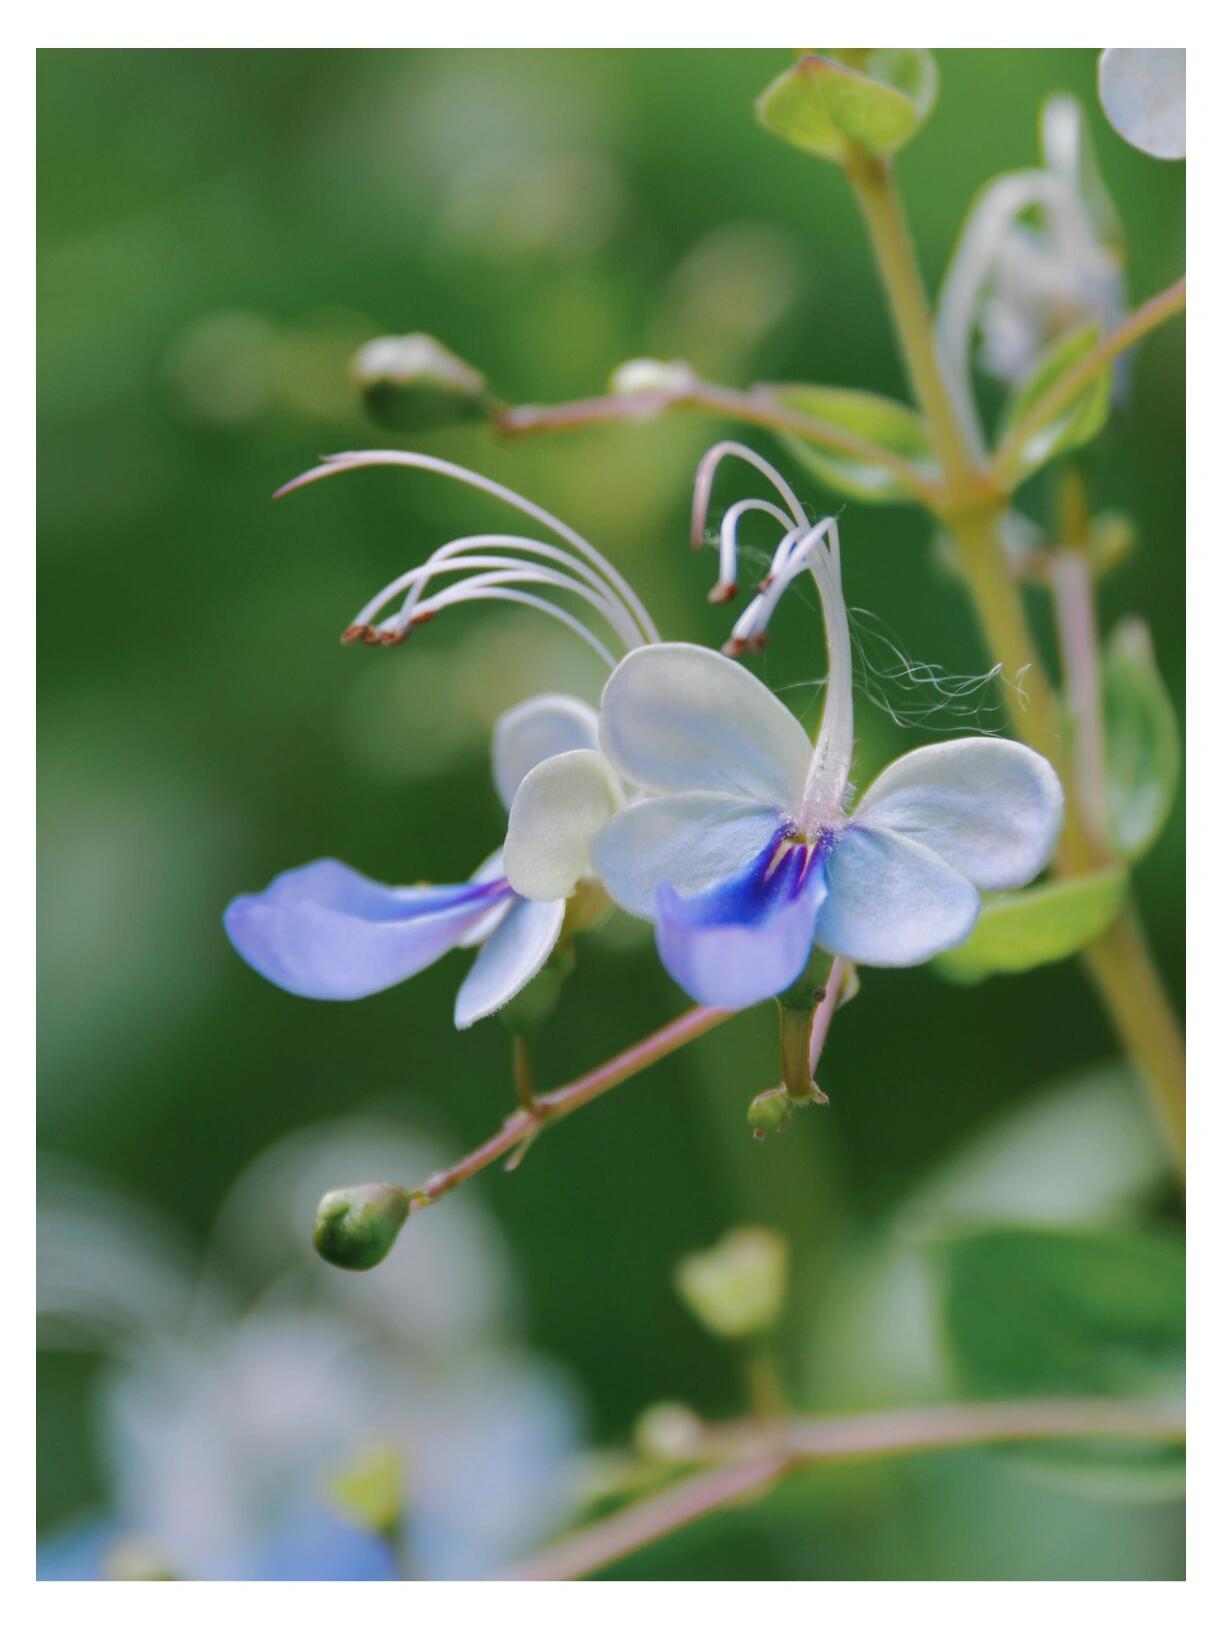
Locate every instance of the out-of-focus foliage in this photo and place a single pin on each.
(220, 233)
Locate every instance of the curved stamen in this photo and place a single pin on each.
(505, 570)
(727, 561)
(707, 469)
(336, 464)
(460, 556)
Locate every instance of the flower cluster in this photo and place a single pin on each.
(691, 795)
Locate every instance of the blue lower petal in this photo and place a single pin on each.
(325, 931)
(747, 938)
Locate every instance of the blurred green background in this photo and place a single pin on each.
(219, 231)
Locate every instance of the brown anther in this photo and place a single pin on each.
(354, 634)
(721, 592)
(734, 647)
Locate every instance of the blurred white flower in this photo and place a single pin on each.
(1039, 256)
(347, 1426)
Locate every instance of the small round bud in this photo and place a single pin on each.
(355, 1228)
(412, 382)
(646, 374)
(770, 1111)
(737, 1288)
(668, 1432)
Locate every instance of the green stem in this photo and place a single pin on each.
(754, 406)
(873, 183)
(525, 1125)
(758, 1456)
(1119, 962)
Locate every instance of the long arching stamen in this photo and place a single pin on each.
(461, 555)
(439, 602)
(336, 464)
(504, 570)
(707, 469)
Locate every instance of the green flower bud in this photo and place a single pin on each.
(355, 1228)
(412, 382)
(770, 1111)
(738, 1288)
(668, 1432)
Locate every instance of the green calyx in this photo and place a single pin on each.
(355, 1228)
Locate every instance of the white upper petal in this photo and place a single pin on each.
(509, 958)
(556, 814)
(891, 903)
(1142, 92)
(691, 840)
(536, 729)
(992, 808)
(680, 718)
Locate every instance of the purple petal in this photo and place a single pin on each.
(747, 938)
(325, 931)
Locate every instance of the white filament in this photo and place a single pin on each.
(462, 555)
(707, 469)
(450, 597)
(337, 463)
(727, 567)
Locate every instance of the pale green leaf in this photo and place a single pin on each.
(792, 107)
(1143, 744)
(1075, 424)
(889, 424)
(868, 111)
(1036, 925)
(823, 105)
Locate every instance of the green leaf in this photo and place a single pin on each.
(823, 105)
(1143, 744)
(792, 107)
(891, 425)
(1037, 925)
(1030, 1312)
(1075, 424)
(867, 110)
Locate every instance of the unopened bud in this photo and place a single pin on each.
(738, 1288)
(355, 1228)
(412, 382)
(669, 1432)
(770, 1111)
(641, 375)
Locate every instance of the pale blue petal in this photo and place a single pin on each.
(747, 938)
(509, 958)
(991, 808)
(316, 1542)
(325, 931)
(534, 730)
(890, 902)
(691, 840)
(681, 718)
